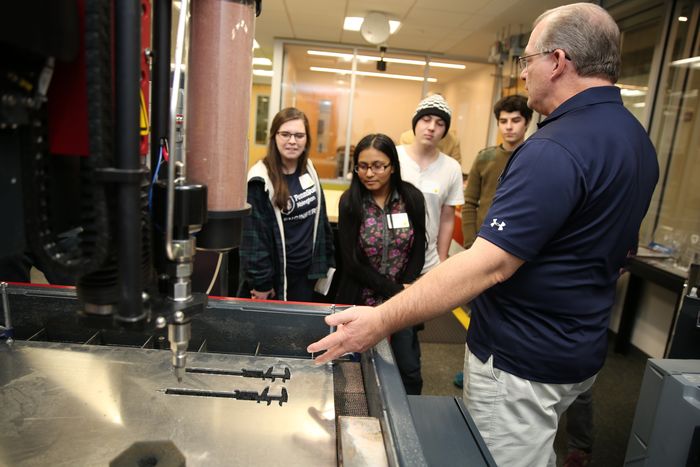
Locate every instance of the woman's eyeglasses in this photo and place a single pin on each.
(376, 167)
(285, 135)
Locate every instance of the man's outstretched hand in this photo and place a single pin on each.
(358, 329)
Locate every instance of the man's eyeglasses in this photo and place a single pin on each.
(377, 167)
(523, 61)
(285, 135)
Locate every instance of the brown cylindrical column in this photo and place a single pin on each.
(219, 77)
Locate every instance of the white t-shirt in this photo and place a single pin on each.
(441, 184)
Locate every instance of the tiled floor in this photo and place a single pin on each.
(439, 363)
(442, 349)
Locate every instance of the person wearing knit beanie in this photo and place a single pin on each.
(437, 175)
(433, 105)
(439, 178)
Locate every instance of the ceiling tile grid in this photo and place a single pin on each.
(460, 28)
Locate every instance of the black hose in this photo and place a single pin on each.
(87, 248)
(127, 78)
(162, 17)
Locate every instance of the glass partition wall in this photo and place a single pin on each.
(641, 51)
(673, 217)
(348, 93)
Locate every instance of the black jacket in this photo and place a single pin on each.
(356, 272)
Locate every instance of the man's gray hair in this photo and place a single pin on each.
(588, 35)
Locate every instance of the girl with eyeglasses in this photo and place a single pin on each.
(287, 243)
(381, 227)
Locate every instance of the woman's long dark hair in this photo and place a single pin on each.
(412, 198)
(273, 159)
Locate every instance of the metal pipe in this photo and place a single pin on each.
(162, 18)
(128, 71)
(6, 306)
(426, 75)
(179, 335)
(179, 43)
(348, 131)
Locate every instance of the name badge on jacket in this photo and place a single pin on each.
(398, 220)
(306, 181)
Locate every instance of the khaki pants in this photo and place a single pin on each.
(517, 418)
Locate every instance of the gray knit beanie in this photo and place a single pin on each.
(433, 105)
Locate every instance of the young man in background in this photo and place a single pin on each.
(513, 117)
(439, 178)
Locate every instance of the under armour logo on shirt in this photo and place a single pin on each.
(500, 225)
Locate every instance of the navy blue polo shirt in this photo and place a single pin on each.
(569, 203)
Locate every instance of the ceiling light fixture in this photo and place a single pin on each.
(330, 54)
(263, 61)
(354, 23)
(371, 58)
(682, 19)
(456, 66)
(370, 73)
(694, 61)
(631, 90)
(262, 72)
(375, 28)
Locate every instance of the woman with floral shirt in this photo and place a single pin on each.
(381, 227)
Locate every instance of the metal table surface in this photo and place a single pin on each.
(75, 405)
(110, 391)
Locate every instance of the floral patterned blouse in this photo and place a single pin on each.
(387, 249)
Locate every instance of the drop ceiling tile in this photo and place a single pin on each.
(395, 7)
(433, 18)
(461, 6)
